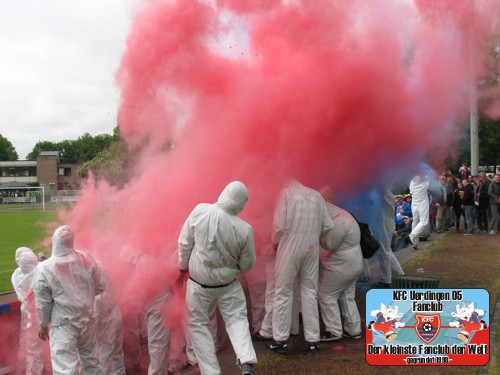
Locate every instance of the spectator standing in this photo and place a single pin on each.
(494, 193)
(452, 183)
(443, 198)
(486, 183)
(458, 206)
(482, 202)
(464, 172)
(406, 209)
(398, 212)
(468, 206)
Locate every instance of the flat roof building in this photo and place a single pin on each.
(45, 171)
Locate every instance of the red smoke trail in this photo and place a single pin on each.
(327, 91)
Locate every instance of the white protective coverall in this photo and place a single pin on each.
(339, 268)
(65, 290)
(266, 328)
(383, 231)
(153, 300)
(31, 354)
(256, 283)
(300, 220)
(109, 329)
(218, 246)
(419, 207)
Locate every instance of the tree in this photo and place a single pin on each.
(112, 164)
(489, 139)
(80, 150)
(42, 146)
(7, 150)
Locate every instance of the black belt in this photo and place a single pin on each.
(210, 286)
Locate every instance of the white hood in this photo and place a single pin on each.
(63, 242)
(233, 198)
(27, 262)
(20, 251)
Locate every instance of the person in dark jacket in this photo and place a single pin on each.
(468, 206)
(494, 193)
(401, 237)
(443, 197)
(458, 201)
(482, 202)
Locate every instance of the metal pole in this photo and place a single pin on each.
(474, 133)
(43, 197)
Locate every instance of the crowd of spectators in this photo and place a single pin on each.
(464, 202)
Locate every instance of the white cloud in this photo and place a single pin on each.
(57, 68)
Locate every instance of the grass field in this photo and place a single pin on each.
(20, 228)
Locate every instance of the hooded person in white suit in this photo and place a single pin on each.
(215, 246)
(31, 354)
(65, 289)
(420, 209)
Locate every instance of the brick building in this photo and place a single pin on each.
(45, 171)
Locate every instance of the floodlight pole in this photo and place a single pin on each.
(474, 132)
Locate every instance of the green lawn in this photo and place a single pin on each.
(21, 228)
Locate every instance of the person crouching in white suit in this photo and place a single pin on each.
(341, 262)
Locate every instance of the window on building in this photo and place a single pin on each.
(64, 171)
(17, 171)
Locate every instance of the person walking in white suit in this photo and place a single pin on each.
(420, 208)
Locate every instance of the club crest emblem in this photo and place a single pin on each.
(427, 326)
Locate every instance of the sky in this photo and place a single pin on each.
(58, 61)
